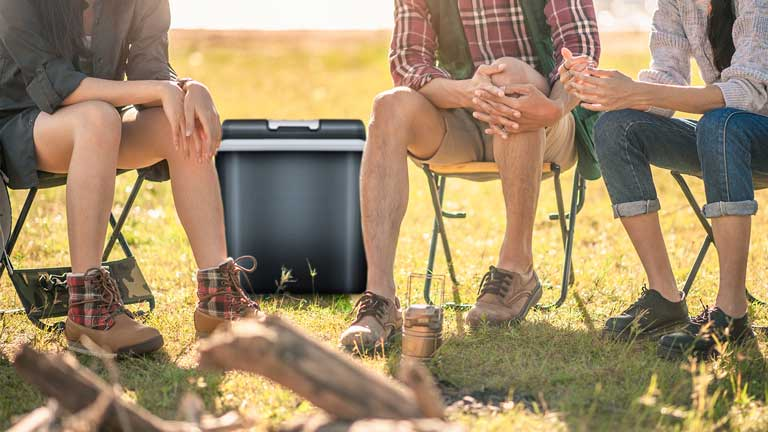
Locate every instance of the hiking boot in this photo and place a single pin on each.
(505, 297)
(651, 315)
(703, 333)
(221, 298)
(378, 320)
(96, 312)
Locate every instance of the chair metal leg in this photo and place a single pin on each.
(697, 265)
(710, 240)
(436, 203)
(117, 225)
(433, 241)
(577, 197)
(11, 243)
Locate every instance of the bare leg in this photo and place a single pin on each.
(645, 233)
(196, 194)
(732, 236)
(520, 160)
(82, 140)
(402, 120)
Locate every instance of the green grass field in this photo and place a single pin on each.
(555, 367)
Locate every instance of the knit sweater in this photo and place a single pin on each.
(680, 32)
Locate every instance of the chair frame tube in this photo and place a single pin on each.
(567, 223)
(708, 241)
(116, 237)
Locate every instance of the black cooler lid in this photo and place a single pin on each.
(293, 130)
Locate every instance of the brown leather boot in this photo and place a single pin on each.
(377, 322)
(96, 312)
(505, 297)
(221, 298)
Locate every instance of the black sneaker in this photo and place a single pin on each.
(651, 315)
(700, 338)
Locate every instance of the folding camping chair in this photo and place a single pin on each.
(43, 291)
(487, 171)
(761, 182)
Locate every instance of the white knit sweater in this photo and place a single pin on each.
(680, 32)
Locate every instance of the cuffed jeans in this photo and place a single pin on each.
(724, 148)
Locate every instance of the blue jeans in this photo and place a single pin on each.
(725, 148)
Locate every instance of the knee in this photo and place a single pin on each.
(95, 119)
(519, 72)
(720, 131)
(396, 104)
(396, 113)
(614, 127)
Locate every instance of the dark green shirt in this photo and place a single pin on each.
(130, 40)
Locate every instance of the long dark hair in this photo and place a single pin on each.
(720, 32)
(63, 24)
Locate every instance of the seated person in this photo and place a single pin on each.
(65, 107)
(492, 106)
(729, 143)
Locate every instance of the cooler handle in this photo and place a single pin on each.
(312, 125)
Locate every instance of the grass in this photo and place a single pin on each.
(555, 368)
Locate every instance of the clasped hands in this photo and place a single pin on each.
(510, 109)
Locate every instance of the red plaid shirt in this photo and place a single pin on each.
(494, 29)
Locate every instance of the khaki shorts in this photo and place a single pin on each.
(465, 141)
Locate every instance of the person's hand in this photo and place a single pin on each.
(202, 125)
(571, 66)
(172, 100)
(526, 109)
(607, 90)
(483, 81)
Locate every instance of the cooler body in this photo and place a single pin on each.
(292, 200)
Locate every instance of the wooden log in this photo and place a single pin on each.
(416, 376)
(324, 424)
(76, 388)
(334, 383)
(37, 420)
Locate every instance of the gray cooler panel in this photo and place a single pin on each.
(294, 203)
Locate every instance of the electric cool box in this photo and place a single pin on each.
(291, 199)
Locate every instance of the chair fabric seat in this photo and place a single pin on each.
(480, 171)
(156, 173)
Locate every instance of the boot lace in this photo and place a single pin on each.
(371, 305)
(110, 299)
(640, 302)
(233, 290)
(494, 282)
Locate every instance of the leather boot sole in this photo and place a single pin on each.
(675, 353)
(535, 298)
(363, 349)
(627, 334)
(146, 347)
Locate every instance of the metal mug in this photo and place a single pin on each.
(422, 327)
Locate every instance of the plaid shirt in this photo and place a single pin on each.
(494, 29)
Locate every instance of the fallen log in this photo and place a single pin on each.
(324, 424)
(76, 388)
(40, 419)
(94, 404)
(331, 381)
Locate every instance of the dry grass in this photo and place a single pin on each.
(562, 374)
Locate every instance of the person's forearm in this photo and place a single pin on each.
(562, 98)
(694, 100)
(117, 93)
(447, 94)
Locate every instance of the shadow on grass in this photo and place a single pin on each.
(593, 383)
